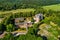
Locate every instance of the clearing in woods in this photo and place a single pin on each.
(52, 7)
(18, 11)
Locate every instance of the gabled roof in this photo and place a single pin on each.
(37, 15)
(21, 19)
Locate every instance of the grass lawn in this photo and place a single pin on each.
(18, 11)
(52, 7)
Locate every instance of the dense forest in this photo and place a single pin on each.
(15, 4)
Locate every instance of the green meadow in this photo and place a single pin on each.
(18, 11)
(52, 7)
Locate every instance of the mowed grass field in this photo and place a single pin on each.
(18, 11)
(52, 7)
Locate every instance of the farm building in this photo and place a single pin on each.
(18, 20)
(22, 24)
(38, 17)
(44, 30)
(2, 34)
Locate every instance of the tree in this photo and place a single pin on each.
(2, 27)
(8, 36)
(10, 28)
(32, 20)
(7, 20)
